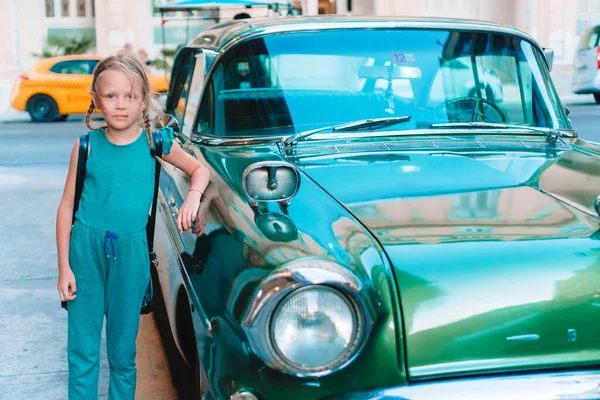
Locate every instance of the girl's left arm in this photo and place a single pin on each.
(200, 177)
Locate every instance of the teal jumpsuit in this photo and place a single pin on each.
(109, 258)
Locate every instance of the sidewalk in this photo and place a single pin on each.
(7, 113)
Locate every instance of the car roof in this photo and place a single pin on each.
(220, 35)
(49, 62)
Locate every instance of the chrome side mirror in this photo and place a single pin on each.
(270, 181)
(549, 54)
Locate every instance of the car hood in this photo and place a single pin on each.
(495, 254)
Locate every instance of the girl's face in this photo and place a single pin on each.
(119, 99)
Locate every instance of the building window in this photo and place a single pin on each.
(65, 8)
(81, 8)
(50, 8)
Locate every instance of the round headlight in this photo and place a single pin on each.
(315, 329)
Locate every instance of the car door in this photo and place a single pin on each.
(179, 261)
(184, 102)
(72, 82)
(176, 182)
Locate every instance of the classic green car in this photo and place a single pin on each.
(370, 230)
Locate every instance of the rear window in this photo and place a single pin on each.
(74, 67)
(589, 38)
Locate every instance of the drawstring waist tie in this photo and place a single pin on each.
(109, 237)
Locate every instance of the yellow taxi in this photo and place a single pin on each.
(56, 87)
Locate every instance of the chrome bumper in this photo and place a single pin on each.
(578, 385)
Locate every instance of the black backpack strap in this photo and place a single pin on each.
(157, 147)
(84, 145)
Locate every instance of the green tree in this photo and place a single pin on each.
(66, 45)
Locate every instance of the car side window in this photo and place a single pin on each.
(181, 107)
(73, 67)
(92, 65)
(193, 86)
(589, 39)
(206, 114)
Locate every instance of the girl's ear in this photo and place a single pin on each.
(94, 101)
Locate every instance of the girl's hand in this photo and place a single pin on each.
(66, 285)
(188, 211)
(200, 225)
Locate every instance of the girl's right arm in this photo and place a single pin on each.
(66, 279)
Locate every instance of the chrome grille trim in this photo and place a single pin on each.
(425, 145)
(466, 144)
(412, 145)
(341, 148)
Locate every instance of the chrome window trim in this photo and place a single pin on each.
(198, 77)
(390, 24)
(233, 140)
(297, 274)
(295, 24)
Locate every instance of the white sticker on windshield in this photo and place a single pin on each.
(403, 58)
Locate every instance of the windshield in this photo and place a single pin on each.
(589, 39)
(293, 82)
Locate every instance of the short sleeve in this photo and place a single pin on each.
(167, 139)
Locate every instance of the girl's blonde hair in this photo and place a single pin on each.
(132, 67)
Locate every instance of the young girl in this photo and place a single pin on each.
(103, 259)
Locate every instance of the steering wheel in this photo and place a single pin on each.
(478, 106)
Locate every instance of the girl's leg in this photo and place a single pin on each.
(85, 313)
(128, 276)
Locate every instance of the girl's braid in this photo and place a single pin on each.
(148, 126)
(88, 117)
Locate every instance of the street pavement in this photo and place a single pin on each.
(33, 165)
(585, 118)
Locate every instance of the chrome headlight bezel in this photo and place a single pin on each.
(305, 274)
(343, 359)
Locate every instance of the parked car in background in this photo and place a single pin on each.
(368, 234)
(586, 62)
(56, 87)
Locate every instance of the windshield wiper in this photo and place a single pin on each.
(371, 123)
(550, 134)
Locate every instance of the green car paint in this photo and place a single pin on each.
(488, 282)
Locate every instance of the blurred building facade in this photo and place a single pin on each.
(26, 24)
(553, 23)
